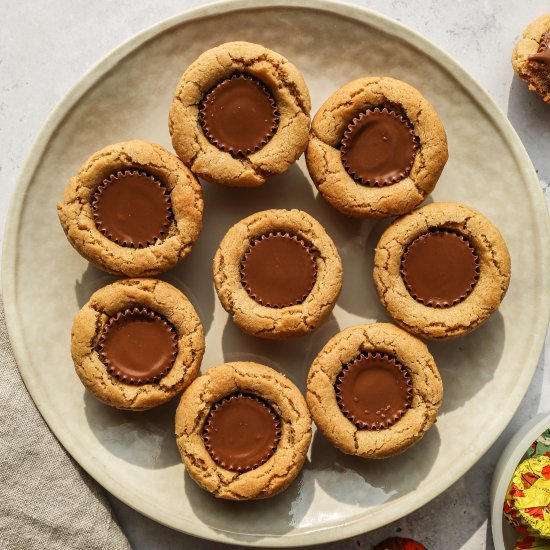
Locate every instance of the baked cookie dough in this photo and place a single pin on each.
(441, 270)
(531, 57)
(277, 273)
(376, 149)
(240, 115)
(132, 209)
(243, 431)
(137, 343)
(374, 390)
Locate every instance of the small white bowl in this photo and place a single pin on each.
(504, 536)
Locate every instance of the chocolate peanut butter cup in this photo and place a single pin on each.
(543, 54)
(374, 391)
(138, 346)
(239, 115)
(132, 208)
(277, 273)
(379, 147)
(440, 268)
(241, 432)
(137, 343)
(278, 270)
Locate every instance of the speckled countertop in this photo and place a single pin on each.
(45, 48)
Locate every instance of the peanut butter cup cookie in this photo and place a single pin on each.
(531, 57)
(137, 343)
(243, 431)
(377, 148)
(374, 390)
(132, 209)
(441, 270)
(277, 273)
(240, 114)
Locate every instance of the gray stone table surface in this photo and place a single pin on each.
(46, 46)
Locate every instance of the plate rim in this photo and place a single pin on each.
(331, 532)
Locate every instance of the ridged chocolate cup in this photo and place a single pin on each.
(210, 132)
(441, 303)
(115, 370)
(346, 146)
(543, 53)
(158, 226)
(250, 287)
(392, 363)
(211, 419)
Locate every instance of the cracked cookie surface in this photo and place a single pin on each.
(104, 305)
(76, 211)
(536, 74)
(289, 91)
(331, 122)
(439, 323)
(408, 351)
(273, 322)
(280, 469)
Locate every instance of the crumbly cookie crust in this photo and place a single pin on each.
(481, 302)
(76, 212)
(427, 390)
(274, 475)
(323, 155)
(288, 88)
(157, 296)
(268, 322)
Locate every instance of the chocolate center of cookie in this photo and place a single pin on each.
(278, 270)
(543, 54)
(378, 148)
(132, 209)
(241, 432)
(138, 346)
(374, 391)
(440, 268)
(239, 115)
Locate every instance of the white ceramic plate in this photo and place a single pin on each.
(504, 536)
(127, 95)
